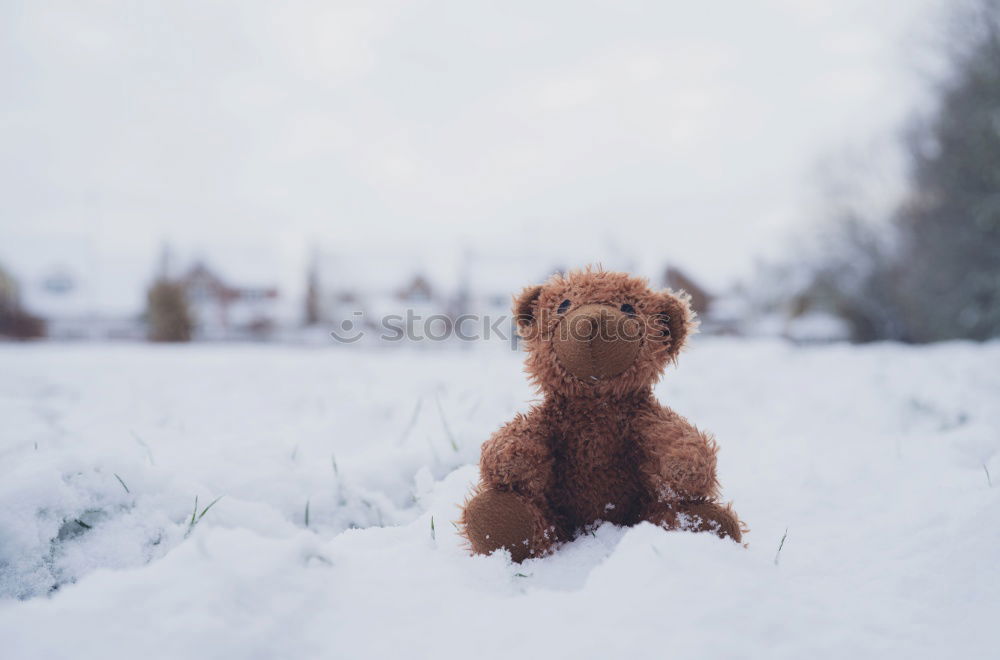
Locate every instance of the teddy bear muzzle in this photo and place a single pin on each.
(596, 341)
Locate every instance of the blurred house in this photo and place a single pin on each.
(386, 295)
(427, 295)
(346, 290)
(224, 311)
(379, 295)
(63, 296)
(718, 314)
(744, 312)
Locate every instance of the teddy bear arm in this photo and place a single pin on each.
(517, 458)
(680, 461)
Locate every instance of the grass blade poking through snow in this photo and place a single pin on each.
(307, 512)
(122, 483)
(205, 510)
(433, 534)
(196, 517)
(987, 471)
(780, 546)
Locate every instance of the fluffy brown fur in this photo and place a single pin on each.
(599, 447)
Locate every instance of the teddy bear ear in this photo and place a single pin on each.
(525, 306)
(674, 318)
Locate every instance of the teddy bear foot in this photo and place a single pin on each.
(497, 519)
(700, 516)
(710, 517)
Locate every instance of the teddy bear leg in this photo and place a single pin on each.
(495, 519)
(698, 516)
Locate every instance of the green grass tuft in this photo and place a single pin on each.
(196, 517)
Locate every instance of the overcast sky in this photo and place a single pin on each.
(248, 131)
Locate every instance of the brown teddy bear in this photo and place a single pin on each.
(599, 447)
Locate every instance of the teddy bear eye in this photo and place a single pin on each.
(563, 306)
(628, 309)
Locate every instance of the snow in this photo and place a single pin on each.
(817, 326)
(875, 460)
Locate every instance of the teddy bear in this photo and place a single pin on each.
(599, 446)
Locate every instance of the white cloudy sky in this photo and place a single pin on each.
(247, 131)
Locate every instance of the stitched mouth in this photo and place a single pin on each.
(594, 342)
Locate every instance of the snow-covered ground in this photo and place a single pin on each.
(340, 471)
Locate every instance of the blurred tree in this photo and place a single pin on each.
(856, 281)
(312, 311)
(949, 227)
(15, 322)
(167, 312)
(934, 272)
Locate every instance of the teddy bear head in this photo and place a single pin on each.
(594, 333)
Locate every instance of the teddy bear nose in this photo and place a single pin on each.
(596, 341)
